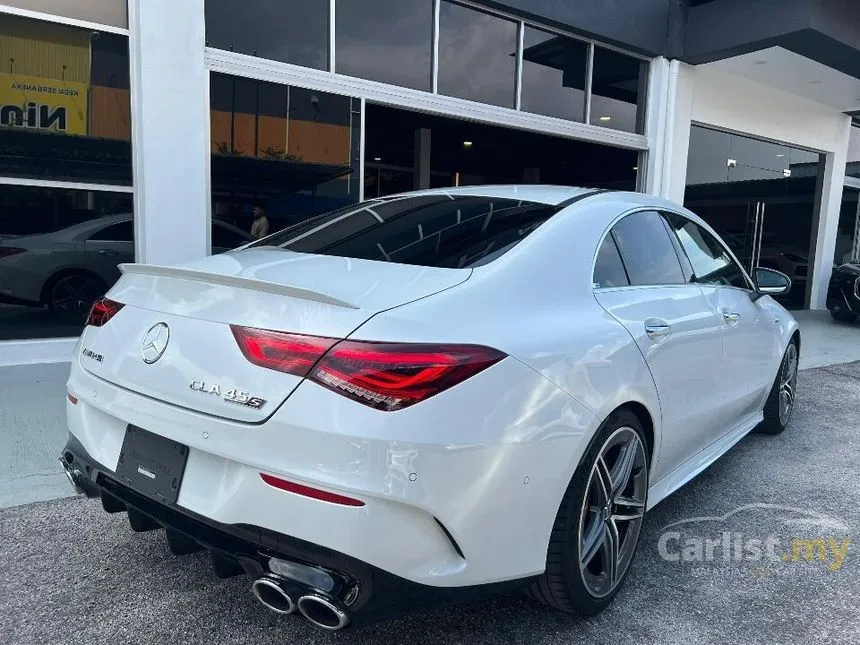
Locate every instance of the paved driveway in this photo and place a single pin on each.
(73, 574)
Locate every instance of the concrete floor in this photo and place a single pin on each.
(32, 410)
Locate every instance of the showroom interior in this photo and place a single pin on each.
(125, 136)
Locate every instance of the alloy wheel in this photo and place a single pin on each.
(787, 384)
(73, 296)
(612, 511)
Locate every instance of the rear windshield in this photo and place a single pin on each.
(431, 230)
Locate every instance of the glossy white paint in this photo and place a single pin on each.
(489, 458)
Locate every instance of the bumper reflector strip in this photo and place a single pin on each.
(307, 491)
(72, 399)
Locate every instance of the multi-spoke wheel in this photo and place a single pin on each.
(780, 402)
(72, 295)
(598, 525)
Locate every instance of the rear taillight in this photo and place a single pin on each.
(102, 311)
(6, 251)
(386, 376)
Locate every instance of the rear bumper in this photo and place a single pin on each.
(454, 495)
(245, 547)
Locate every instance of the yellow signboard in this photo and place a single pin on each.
(43, 104)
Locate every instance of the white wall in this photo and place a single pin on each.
(710, 96)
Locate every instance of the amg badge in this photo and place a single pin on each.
(232, 395)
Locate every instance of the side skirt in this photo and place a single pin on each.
(688, 470)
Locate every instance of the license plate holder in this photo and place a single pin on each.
(152, 464)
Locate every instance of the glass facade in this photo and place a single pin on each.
(64, 103)
(760, 197)
(291, 32)
(618, 91)
(554, 73)
(64, 117)
(386, 40)
(290, 152)
(477, 55)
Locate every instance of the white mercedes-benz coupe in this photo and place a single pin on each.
(429, 396)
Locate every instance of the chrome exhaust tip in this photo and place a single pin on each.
(274, 594)
(72, 475)
(323, 612)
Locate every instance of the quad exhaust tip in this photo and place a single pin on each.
(322, 612)
(283, 596)
(274, 595)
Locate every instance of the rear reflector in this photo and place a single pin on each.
(386, 376)
(307, 491)
(6, 251)
(72, 399)
(102, 311)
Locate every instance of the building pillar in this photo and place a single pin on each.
(169, 100)
(670, 111)
(422, 158)
(826, 222)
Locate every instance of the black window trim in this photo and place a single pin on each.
(679, 248)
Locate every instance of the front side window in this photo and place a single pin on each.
(711, 263)
(430, 230)
(647, 250)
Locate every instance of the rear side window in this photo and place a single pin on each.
(431, 230)
(711, 263)
(121, 232)
(647, 250)
(608, 268)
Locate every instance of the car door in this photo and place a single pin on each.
(109, 247)
(749, 329)
(673, 325)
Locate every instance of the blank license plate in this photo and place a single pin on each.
(151, 464)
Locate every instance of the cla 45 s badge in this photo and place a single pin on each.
(231, 395)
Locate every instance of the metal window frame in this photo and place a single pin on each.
(70, 185)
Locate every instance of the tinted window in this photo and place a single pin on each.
(226, 238)
(122, 232)
(386, 40)
(476, 55)
(553, 75)
(431, 230)
(608, 268)
(647, 249)
(616, 101)
(711, 263)
(292, 32)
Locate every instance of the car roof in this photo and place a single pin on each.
(542, 194)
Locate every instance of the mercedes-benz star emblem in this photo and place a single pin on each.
(154, 343)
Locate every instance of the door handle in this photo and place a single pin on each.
(656, 328)
(108, 252)
(731, 318)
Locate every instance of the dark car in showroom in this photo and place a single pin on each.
(843, 295)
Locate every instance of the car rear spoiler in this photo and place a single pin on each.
(233, 281)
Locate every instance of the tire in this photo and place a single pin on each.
(70, 295)
(841, 316)
(780, 402)
(584, 517)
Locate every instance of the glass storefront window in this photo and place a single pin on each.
(59, 251)
(291, 32)
(386, 40)
(477, 55)
(554, 71)
(617, 86)
(280, 153)
(64, 103)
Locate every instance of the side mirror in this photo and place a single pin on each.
(769, 282)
